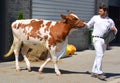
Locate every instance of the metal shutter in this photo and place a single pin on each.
(51, 9)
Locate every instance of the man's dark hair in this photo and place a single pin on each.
(103, 7)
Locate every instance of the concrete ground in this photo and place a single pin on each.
(74, 69)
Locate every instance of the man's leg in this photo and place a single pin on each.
(97, 67)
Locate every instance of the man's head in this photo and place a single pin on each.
(103, 11)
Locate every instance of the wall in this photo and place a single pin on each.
(80, 38)
(98, 3)
(13, 7)
(51, 10)
(2, 26)
(115, 3)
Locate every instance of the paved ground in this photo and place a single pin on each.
(73, 69)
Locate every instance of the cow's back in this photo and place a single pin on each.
(32, 31)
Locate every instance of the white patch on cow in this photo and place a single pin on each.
(38, 19)
(42, 30)
(13, 24)
(74, 15)
(47, 32)
(27, 21)
(28, 29)
(53, 50)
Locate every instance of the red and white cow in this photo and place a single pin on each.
(50, 34)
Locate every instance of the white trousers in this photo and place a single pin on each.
(100, 48)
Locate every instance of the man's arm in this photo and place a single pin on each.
(90, 23)
(114, 29)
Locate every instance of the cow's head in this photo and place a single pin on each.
(73, 20)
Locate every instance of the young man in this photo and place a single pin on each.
(100, 23)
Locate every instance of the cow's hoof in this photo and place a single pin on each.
(59, 74)
(18, 70)
(29, 70)
(40, 71)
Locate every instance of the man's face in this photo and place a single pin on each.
(102, 13)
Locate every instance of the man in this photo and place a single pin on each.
(101, 24)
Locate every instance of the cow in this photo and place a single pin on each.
(48, 33)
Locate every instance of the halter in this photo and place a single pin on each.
(77, 22)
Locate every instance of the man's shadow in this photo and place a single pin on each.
(51, 70)
(116, 75)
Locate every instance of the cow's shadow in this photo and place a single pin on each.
(51, 70)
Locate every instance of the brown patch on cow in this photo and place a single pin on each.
(46, 37)
(35, 30)
(61, 29)
(14, 26)
(58, 32)
(47, 26)
(20, 25)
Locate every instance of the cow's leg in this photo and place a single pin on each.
(42, 66)
(16, 52)
(27, 63)
(54, 59)
(24, 53)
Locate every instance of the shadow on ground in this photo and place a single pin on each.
(108, 75)
(51, 70)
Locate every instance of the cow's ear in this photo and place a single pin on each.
(63, 16)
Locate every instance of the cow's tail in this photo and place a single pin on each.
(10, 51)
(12, 46)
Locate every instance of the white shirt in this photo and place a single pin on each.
(100, 25)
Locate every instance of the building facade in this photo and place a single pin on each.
(50, 10)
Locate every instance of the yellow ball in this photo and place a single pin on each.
(71, 49)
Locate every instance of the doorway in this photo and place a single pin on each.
(114, 13)
(2, 27)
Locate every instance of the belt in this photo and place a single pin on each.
(98, 36)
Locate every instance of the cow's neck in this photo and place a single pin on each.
(60, 31)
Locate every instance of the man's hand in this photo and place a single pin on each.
(114, 29)
(85, 24)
